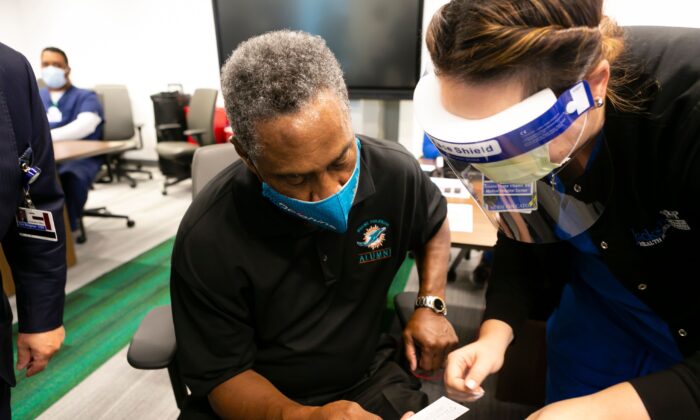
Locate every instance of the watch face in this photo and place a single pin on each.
(439, 304)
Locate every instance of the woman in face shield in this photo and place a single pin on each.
(581, 142)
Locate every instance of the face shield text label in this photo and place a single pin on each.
(509, 197)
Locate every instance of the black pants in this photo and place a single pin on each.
(386, 390)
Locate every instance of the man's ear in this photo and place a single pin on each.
(244, 157)
(598, 79)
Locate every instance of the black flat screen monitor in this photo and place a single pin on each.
(376, 41)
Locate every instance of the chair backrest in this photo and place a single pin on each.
(118, 118)
(208, 161)
(201, 113)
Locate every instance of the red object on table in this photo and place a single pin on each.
(220, 123)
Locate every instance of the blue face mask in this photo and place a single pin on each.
(54, 77)
(330, 213)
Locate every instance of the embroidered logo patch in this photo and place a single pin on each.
(373, 236)
(656, 235)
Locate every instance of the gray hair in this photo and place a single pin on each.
(276, 74)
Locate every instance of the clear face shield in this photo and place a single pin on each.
(517, 164)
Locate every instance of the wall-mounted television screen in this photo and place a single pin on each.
(376, 41)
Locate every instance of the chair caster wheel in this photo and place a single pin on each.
(80, 239)
(164, 192)
(130, 223)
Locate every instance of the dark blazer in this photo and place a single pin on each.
(38, 266)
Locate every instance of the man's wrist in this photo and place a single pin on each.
(435, 303)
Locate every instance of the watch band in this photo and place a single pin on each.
(436, 303)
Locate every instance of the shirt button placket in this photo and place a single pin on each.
(642, 286)
(603, 245)
(682, 332)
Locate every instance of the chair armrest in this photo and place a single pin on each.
(170, 126)
(197, 133)
(404, 303)
(194, 132)
(153, 345)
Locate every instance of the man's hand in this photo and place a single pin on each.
(469, 366)
(35, 350)
(342, 410)
(433, 335)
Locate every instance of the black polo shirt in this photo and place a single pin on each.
(255, 288)
(649, 233)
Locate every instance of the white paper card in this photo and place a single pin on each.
(461, 217)
(442, 409)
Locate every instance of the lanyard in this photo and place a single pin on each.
(29, 175)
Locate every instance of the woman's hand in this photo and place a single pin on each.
(469, 366)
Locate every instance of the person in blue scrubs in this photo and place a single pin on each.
(598, 127)
(73, 114)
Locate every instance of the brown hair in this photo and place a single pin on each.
(544, 43)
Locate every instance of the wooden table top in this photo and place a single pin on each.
(79, 149)
(483, 234)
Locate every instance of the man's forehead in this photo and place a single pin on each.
(293, 161)
(53, 57)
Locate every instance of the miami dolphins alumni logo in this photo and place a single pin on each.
(373, 235)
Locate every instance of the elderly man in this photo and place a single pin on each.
(282, 264)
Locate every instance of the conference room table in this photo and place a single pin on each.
(65, 151)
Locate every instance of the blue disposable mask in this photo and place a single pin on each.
(54, 77)
(330, 213)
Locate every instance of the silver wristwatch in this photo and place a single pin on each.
(433, 302)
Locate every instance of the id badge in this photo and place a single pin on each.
(509, 197)
(54, 115)
(35, 223)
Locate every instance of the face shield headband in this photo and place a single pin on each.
(511, 161)
(520, 129)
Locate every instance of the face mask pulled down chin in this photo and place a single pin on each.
(54, 77)
(528, 167)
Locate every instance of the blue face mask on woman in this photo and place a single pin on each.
(54, 77)
(330, 213)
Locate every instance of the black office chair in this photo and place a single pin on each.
(119, 125)
(175, 157)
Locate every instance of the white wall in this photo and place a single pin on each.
(142, 44)
(146, 44)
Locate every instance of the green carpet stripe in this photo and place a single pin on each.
(100, 319)
(115, 302)
(70, 370)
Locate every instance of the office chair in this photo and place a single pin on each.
(153, 345)
(119, 125)
(175, 157)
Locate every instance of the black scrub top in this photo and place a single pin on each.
(255, 288)
(648, 235)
